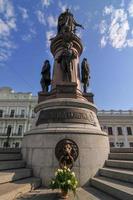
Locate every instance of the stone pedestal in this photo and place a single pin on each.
(65, 118)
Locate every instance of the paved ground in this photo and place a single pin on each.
(82, 194)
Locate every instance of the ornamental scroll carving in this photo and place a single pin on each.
(66, 152)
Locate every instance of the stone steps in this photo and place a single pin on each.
(123, 175)
(118, 189)
(124, 164)
(15, 178)
(14, 174)
(121, 156)
(10, 156)
(11, 164)
(121, 150)
(10, 191)
(116, 177)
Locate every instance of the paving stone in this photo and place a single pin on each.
(88, 193)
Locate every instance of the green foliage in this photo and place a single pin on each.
(65, 180)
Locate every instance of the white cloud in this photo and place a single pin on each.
(76, 8)
(62, 6)
(103, 26)
(41, 17)
(29, 36)
(130, 8)
(45, 3)
(49, 34)
(79, 33)
(130, 42)
(52, 21)
(6, 8)
(108, 10)
(103, 41)
(4, 29)
(115, 28)
(7, 25)
(24, 13)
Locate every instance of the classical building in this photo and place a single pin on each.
(16, 116)
(119, 126)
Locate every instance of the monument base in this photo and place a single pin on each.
(39, 152)
(65, 118)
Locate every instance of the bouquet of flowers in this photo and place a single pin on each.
(65, 180)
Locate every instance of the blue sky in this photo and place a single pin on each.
(27, 25)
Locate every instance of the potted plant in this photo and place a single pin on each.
(65, 180)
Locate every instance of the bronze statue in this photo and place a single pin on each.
(85, 72)
(45, 80)
(67, 23)
(66, 61)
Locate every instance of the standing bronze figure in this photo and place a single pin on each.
(45, 80)
(67, 23)
(66, 61)
(85, 73)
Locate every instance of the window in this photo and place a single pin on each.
(16, 144)
(12, 113)
(129, 131)
(112, 144)
(9, 129)
(1, 113)
(119, 129)
(110, 131)
(6, 144)
(131, 144)
(22, 113)
(20, 128)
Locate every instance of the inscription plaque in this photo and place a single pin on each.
(66, 115)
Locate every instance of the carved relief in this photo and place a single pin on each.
(66, 152)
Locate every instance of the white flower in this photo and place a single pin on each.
(76, 182)
(55, 173)
(69, 181)
(73, 174)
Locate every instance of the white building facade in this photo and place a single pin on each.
(119, 126)
(17, 115)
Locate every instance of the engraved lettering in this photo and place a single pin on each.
(66, 115)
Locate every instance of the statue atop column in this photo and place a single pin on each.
(85, 74)
(67, 23)
(45, 80)
(66, 61)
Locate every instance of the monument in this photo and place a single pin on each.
(66, 129)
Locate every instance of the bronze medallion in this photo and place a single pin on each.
(66, 152)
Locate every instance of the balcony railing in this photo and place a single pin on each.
(17, 134)
(12, 135)
(15, 116)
